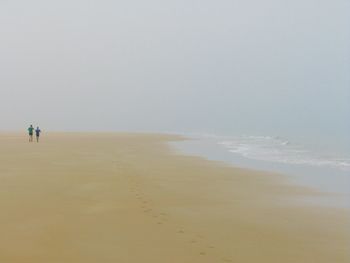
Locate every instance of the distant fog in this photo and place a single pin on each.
(252, 66)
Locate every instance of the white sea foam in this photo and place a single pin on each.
(279, 150)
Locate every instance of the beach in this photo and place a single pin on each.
(122, 197)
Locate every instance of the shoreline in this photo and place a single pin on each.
(324, 181)
(94, 197)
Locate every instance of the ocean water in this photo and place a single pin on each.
(280, 150)
(305, 164)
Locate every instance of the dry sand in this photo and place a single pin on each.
(81, 198)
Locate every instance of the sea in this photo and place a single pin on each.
(311, 165)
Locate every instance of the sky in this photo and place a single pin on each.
(225, 67)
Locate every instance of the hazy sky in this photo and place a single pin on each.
(226, 66)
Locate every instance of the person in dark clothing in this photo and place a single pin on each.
(37, 133)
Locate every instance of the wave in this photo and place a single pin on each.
(280, 150)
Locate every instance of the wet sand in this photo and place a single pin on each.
(106, 197)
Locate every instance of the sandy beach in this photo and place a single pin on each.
(104, 197)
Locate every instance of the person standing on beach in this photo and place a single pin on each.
(37, 133)
(31, 131)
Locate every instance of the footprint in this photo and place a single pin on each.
(202, 253)
(193, 241)
(180, 231)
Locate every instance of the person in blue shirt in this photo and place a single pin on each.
(37, 133)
